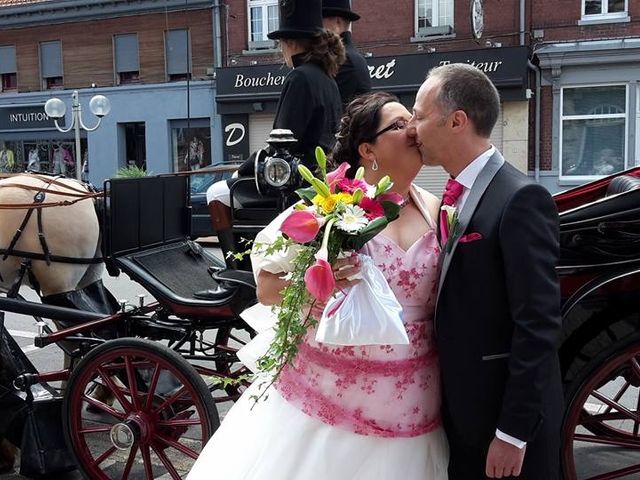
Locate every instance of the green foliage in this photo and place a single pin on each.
(132, 171)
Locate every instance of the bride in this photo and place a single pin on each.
(351, 412)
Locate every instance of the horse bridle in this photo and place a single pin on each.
(38, 204)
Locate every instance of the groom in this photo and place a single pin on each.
(498, 309)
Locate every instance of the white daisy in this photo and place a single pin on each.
(352, 220)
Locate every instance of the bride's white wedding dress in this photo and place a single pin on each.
(348, 412)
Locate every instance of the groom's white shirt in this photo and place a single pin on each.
(467, 178)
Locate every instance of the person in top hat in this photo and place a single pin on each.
(309, 105)
(353, 78)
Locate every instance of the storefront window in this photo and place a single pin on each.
(45, 156)
(263, 18)
(432, 16)
(593, 133)
(191, 148)
(609, 8)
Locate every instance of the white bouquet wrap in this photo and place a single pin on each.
(366, 314)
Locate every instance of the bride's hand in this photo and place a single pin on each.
(347, 271)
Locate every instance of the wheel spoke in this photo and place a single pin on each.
(152, 387)
(104, 407)
(130, 459)
(131, 379)
(166, 462)
(604, 399)
(169, 401)
(100, 429)
(104, 456)
(635, 366)
(236, 339)
(146, 459)
(619, 395)
(178, 446)
(179, 423)
(623, 472)
(114, 389)
(606, 440)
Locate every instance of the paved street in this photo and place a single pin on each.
(23, 329)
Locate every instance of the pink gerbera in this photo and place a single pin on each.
(350, 185)
(372, 208)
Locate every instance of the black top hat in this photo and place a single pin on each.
(298, 19)
(339, 8)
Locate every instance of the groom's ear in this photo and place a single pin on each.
(459, 121)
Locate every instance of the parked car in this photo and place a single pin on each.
(199, 183)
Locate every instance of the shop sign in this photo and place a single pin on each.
(235, 135)
(506, 66)
(31, 117)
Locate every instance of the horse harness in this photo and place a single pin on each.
(37, 206)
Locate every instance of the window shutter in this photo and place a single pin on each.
(8, 59)
(176, 50)
(51, 59)
(126, 53)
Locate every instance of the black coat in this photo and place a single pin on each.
(353, 78)
(498, 325)
(310, 107)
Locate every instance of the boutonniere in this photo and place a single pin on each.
(451, 228)
(451, 231)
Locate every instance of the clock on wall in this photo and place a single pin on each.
(477, 18)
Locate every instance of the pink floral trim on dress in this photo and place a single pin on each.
(379, 390)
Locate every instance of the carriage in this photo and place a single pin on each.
(143, 382)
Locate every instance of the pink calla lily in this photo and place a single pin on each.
(301, 226)
(335, 177)
(391, 197)
(319, 278)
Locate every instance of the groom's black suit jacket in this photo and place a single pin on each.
(498, 324)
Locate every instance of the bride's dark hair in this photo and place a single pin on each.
(358, 125)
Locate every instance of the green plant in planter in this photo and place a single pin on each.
(132, 171)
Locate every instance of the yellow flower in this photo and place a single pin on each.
(345, 197)
(328, 204)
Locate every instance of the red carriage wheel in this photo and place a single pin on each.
(602, 421)
(230, 340)
(135, 409)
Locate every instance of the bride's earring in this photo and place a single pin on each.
(374, 165)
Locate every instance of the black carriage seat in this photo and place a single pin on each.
(249, 206)
(175, 273)
(621, 184)
(228, 279)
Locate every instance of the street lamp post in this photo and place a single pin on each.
(55, 108)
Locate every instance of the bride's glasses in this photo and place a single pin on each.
(399, 124)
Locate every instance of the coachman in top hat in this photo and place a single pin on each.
(309, 104)
(353, 78)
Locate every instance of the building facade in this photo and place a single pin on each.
(589, 56)
(193, 82)
(152, 60)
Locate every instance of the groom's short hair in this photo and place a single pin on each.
(464, 87)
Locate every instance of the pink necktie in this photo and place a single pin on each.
(452, 192)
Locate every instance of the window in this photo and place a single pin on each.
(125, 55)
(434, 17)
(596, 9)
(593, 131)
(8, 68)
(263, 18)
(191, 147)
(51, 65)
(178, 55)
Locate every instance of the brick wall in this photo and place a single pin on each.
(87, 47)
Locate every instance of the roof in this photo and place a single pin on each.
(11, 3)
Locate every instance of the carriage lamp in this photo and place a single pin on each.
(55, 108)
(277, 171)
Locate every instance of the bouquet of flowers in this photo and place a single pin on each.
(337, 214)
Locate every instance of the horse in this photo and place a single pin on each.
(60, 239)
